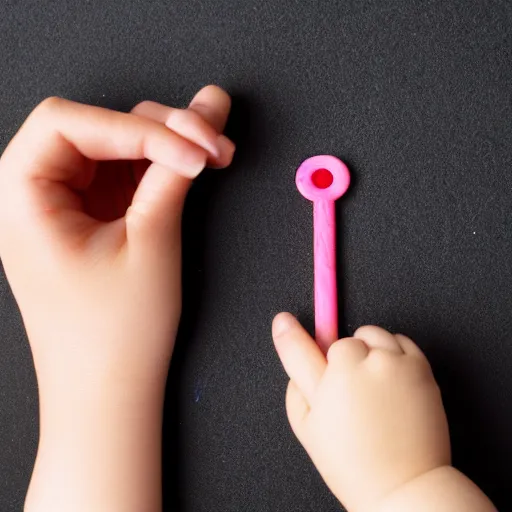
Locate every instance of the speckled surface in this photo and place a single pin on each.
(415, 97)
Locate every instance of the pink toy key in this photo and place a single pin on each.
(323, 179)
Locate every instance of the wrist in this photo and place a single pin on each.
(443, 489)
(98, 400)
(78, 386)
(79, 366)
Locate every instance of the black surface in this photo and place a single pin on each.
(416, 97)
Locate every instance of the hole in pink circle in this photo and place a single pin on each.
(322, 178)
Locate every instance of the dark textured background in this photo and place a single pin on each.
(415, 97)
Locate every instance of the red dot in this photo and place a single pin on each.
(322, 178)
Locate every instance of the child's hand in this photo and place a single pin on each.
(99, 286)
(371, 418)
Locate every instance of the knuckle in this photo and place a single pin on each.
(137, 218)
(49, 104)
(337, 349)
(46, 111)
(143, 105)
(382, 361)
(184, 117)
(342, 349)
(369, 330)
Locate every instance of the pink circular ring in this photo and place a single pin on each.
(340, 178)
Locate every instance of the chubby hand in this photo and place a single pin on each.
(90, 212)
(370, 414)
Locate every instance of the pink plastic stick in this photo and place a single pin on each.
(323, 179)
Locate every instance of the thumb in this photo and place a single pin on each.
(301, 357)
(154, 217)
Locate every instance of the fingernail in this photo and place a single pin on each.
(212, 147)
(193, 162)
(283, 323)
(226, 148)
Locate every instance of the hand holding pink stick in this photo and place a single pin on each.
(323, 179)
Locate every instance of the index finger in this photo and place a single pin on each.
(60, 135)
